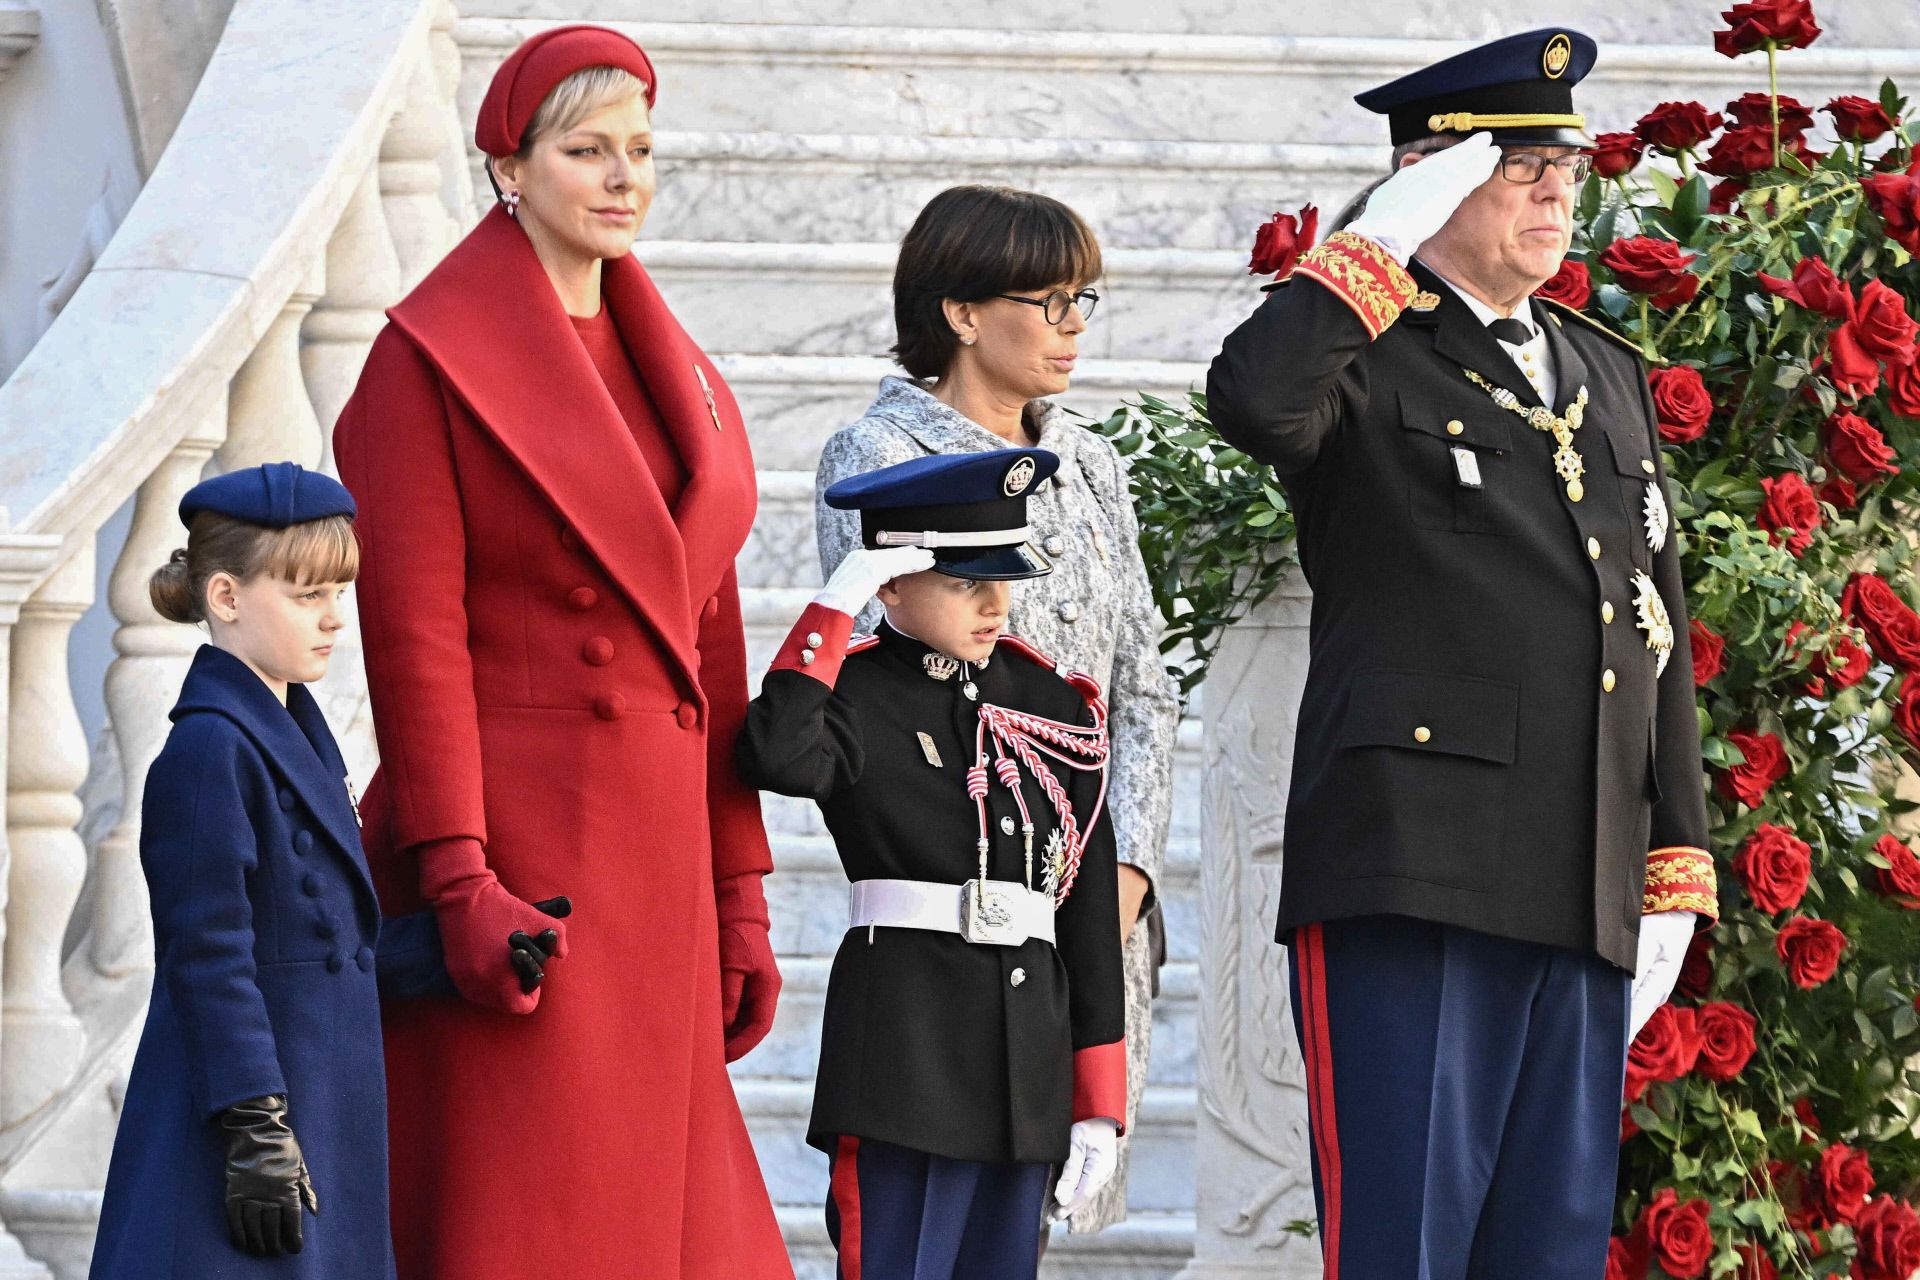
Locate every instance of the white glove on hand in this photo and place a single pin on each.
(1404, 211)
(1092, 1156)
(865, 571)
(1664, 939)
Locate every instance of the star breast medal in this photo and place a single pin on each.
(1055, 866)
(1658, 519)
(1653, 620)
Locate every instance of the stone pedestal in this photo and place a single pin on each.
(1254, 1186)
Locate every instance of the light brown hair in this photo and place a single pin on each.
(310, 552)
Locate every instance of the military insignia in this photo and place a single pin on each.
(353, 798)
(1567, 463)
(1425, 301)
(1557, 57)
(927, 749)
(1658, 519)
(940, 666)
(1653, 620)
(1055, 866)
(1019, 476)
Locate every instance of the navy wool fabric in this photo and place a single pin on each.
(902, 1214)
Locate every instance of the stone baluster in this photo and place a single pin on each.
(40, 1038)
(410, 176)
(362, 280)
(1250, 1144)
(141, 686)
(456, 178)
(270, 417)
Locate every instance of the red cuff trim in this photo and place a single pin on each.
(817, 644)
(1682, 879)
(1364, 276)
(1100, 1083)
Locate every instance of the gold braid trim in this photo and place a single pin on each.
(1362, 275)
(1682, 879)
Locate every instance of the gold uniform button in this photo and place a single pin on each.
(1593, 548)
(1606, 680)
(1455, 427)
(1646, 465)
(1606, 611)
(1422, 734)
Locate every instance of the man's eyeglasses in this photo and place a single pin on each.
(1055, 304)
(1528, 167)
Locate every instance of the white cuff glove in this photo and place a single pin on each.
(1664, 939)
(1092, 1155)
(865, 571)
(1404, 211)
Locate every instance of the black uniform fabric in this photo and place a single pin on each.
(926, 1041)
(1473, 613)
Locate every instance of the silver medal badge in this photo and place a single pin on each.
(1658, 518)
(1653, 620)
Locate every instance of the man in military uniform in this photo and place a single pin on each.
(1495, 841)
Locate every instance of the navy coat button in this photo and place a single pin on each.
(310, 885)
(336, 962)
(583, 598)
(303, 843)
(598, 651)
(364, 958)
(286, 800)
(325, 928)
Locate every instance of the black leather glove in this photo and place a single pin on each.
(267, 1180)
(529, 953)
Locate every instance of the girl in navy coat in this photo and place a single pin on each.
(258, 1094)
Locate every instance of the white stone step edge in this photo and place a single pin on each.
(1163, 1106)
(752, 368)
(1161, 1237)
(875, 261)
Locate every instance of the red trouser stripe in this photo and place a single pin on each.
(1311, 956)
(844, 1187)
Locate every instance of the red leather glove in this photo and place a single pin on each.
(749, 977)
(477, 916)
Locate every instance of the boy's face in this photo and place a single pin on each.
(283, 630)
(960, 617)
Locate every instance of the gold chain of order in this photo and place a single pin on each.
(1567, 463)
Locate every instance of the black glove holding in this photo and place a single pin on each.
(267, 1179)
(528, 953)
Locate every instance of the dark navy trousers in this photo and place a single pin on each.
(1464, 1100)
(898, 1214)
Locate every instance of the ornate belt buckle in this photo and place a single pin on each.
(988, 915)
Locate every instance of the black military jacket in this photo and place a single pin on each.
(1482, 740)
(928, 1041)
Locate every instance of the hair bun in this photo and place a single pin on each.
(171, 590)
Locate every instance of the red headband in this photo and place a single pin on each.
(530, 73)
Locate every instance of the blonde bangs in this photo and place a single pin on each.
(579, 96)
(311, 552)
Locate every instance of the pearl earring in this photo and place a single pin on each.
(513, 203)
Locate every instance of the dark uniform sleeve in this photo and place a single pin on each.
(409, 962)
(1087, 933)
(799, 737)
(1287, 378)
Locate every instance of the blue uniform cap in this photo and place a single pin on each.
(969, 509)
(1520, 88)
(273, 495)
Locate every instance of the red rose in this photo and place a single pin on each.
(1845, 662)
(1765, 764)
(1900, 879)
(1619, 1263)
(1755, 1264)
(1726, 1040)
(1849, 366)
(1677, 1234)
(1741, 151)
(1681, 404)
(1757, 109)
(1696, 971)
(1896, 198)
(1789, 1184)
(1675, 126)
(1787, 502)
(1723, 195)
(1887, 1232)
(1803, 1108)
(1666, 1049)
(1840, 492)
(1813, 286)
(1857, 449)
(1784, 24)
(1880, 320)
(1571, 285)
(1892, 629)
(1615, 154)
(1280, 242)
(1709, 652)
(1858, 119)
(1810, 949)
(1643, 264)
(1903, 387)
(1906, 710)
(1841, 1183)
(1774, 865)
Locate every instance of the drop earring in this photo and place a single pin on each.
(512, 201)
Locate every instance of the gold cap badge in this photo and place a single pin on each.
(1558, 56)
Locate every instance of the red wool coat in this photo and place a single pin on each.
(558, 670)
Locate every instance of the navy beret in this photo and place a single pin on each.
(970, 509)
(274, 495)
(1518, 87)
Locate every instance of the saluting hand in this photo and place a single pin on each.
(1407, 209)
(865, 571)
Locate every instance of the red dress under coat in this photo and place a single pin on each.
(558, 670)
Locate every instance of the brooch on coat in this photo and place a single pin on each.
(353, 798)
(1567, 463)
(940, 666)
(1653, 620)
(1658, 519)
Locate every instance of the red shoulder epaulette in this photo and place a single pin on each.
(1085, 685)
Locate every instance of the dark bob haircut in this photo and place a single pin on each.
(970, 243)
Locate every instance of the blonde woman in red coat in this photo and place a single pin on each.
(553, 483)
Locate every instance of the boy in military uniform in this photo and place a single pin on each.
(974, 1022)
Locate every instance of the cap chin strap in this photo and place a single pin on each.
(931, 538)
(1467, 122)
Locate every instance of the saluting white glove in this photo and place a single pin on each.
(1092, 1155)
(1664, 939)
(865, 571)
(1406, 210)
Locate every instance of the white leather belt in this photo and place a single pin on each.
(1014, 913)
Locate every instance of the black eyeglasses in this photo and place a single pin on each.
(1055, 304)
(1528, 167)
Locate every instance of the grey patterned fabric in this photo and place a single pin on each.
(1094, 613)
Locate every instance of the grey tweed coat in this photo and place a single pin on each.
(1094, 613)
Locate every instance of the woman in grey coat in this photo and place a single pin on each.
(990, 296)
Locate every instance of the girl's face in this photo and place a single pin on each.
(960, 617)
(283, 630)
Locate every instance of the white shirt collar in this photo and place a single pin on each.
(1487, 315)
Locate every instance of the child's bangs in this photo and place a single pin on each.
(313, 551)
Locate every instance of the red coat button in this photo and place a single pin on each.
(710, 609)
(687, 714)
(610, 706)
(597, 651)
(583, 598)
(569, 539)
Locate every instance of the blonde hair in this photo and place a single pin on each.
(577, 97)
(310, 552)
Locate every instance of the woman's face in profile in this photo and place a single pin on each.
(586, 190)
(1017, 351)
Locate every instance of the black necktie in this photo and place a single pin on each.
(1511, 332)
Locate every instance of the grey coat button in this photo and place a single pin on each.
(1006, 826)
(1056, 545)
(1017, 977)
(1069, 611)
